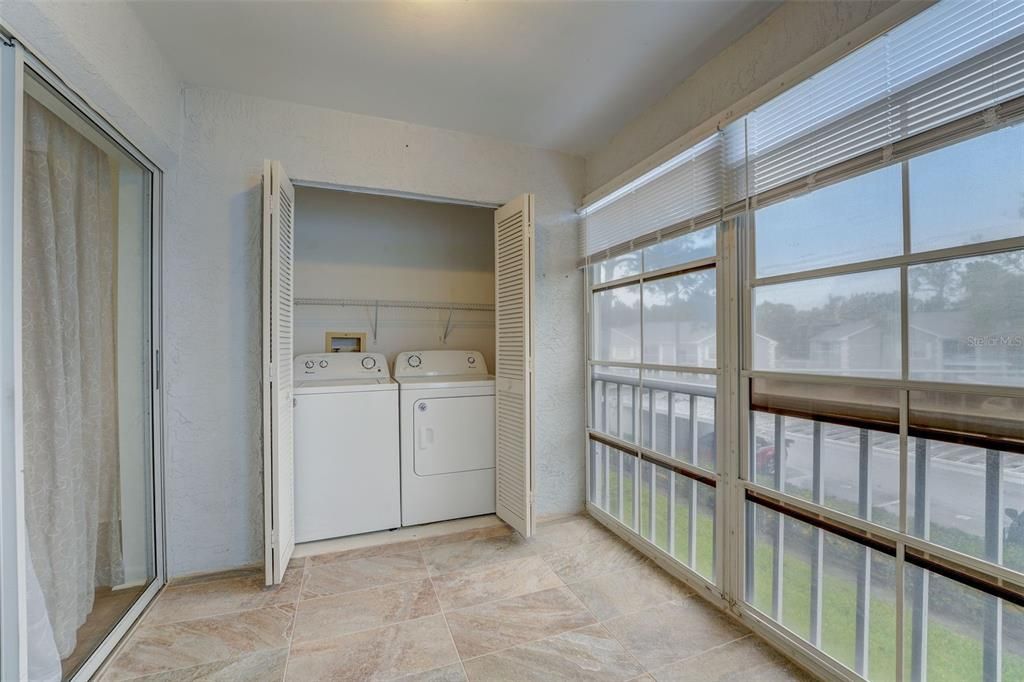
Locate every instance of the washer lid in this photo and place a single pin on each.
(450, 381)
(343, 386)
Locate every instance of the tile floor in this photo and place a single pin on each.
(575, 603)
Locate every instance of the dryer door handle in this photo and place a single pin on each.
(426, 437)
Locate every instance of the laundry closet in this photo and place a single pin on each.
(398, 362)
(404, 274)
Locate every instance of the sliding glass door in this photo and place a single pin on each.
(87, 554)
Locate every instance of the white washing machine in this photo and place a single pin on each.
(346, 446)
(447, 426)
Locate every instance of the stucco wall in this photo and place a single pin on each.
(104, 53)
(792, 34)
(212, 332)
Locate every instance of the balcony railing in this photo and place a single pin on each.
(672, 507)
(856, 471)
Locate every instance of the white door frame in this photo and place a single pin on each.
(13, 660)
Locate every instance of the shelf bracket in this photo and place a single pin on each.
(376, 314)
(448, 326)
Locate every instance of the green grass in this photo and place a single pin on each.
(953, 654)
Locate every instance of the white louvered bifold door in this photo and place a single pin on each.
(278, 450)
(513, 385)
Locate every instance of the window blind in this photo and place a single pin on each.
(950, 61)
(653, 206)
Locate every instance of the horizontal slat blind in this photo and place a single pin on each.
(688, 186)
(952, 60)
(956, 59)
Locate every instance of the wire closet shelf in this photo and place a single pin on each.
(377, 304)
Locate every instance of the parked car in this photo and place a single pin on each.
(764, 455)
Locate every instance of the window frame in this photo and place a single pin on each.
(714, 479)
(908, 549)
(735, 283)
(18, 64)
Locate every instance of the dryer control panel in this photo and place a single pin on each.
(433, 363)
(330, 366)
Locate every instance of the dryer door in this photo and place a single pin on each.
(453, 434)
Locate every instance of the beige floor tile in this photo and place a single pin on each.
(569, 532)
(161, 648)
(215, 597)
(469, 534)
(364, 552)
(633, 589)
(262, 666)
(460, 556)
(484, 628)
(354, 611)
(750, 659)
(460, 589)
(386, 653)
(360, 574)
(586, 654)
(593, 559)
(449, 673)
(670, 632)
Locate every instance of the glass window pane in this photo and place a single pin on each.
(842, 602)
(842, 325)
(798, 544)
(615, 268)
(655, 505)
(706, 531)
(764, 525)
(616, 324)
(612, 401)
(967, 320)
(852, 221)
(613, 477)
(968, 499)
(859, 468)
(969, 192)
(613, 473)
(629, 470)
(681, 494)
(662, 507)
(683, 249)
(679, 320)
(646, 482)
(680, 401)
(952, 630)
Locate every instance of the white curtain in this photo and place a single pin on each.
(70, 400)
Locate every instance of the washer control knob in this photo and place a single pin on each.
(415, 360)
(323, 363)
(471, 360)
(310, 364)
(369, 362)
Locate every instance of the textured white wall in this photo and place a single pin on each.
(103, 51)
(792, 34)
(212, 309)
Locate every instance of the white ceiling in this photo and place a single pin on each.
(559, 75)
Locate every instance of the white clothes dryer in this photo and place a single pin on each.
(447, 430)
(346, 446)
